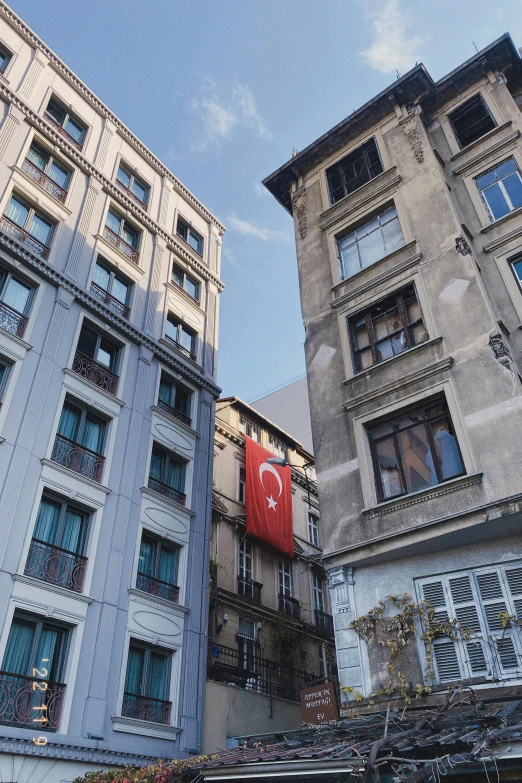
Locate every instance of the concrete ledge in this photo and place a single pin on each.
(144, 727)
(425, 494)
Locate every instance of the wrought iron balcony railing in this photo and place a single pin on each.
(174, 412)
(110, 300)
(289, 606)
(254, 673)
(61, 130)
(78, 458)
(181, 348)
(157, 587)
(167, 491)
(19, 702)
(11, 320)
(145, 708)
(55, 565)
(132, 195)
(24, 238)
(116, 241)
(44, 181)
(249, 589)
(95, 372)
(324, 621)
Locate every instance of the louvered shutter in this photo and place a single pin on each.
(494, 594)
(447, 663)
(465, 611)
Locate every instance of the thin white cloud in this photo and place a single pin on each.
(261, 191)
(393, 47)
(249, 229)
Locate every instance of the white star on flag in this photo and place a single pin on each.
(271, 503)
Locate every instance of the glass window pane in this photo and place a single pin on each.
(69, 421)
(87, 341)
(365, 359)
(101, 277)
(413, 310)
(350, 261)
(124, 177)
(417, 460)
(517, 266)
(73, 534)
(168, 565)
(17, 656)
(447, 450)
(134, 675)
(171, 330)
(177, 276)
(393, 238)
(182, 229)
(186, 339)
(140, 191)
(496, 201)
(40, 229)
(105, 355)
(130, 235)
(195, 242)
(17, 211)
(146, 557)
(192, 288)
(119, 290)
(165, 391)
(246, 628)
(93, 433)
(371, 248)
(157, 678)
(175, 474)
(380, 327)
(37, 156)
(182, 401)
(388, 468)
(56, 112)
(360, 334)
(75, 130)
(419, 334)
(47, 521)
(486, 179)
(17, 295)
(513, 185)
(113, 221)
(157, 462)
(59, 174)
(508, 167)
(385, 350)
(367, 228)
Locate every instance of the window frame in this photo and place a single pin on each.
(177, 386)
(165, 453)
(277, 446)
(8, 276)
(40, 621)
(249, 427)
(512, 262)
(113, 275)
(31, 213)
(181, 326)
(314, 540)
(51, 159)
(133, 178)
(461, 106)
(100, 336)
(245, 558)
(123, 223)
(68, 115)
(189, 231)
(354, 228)
(506, 196)
(86, 410)
(60, 527)
(318, 590)
(285, 579)
(148, 650)
(241, 495)
(158, 542)
(337, 166)
(186, 276)
(8, 58)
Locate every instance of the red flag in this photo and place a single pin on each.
(268, 499)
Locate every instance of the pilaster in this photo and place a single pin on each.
(109, 129)
(342, 601)
(160, 247)
(39, 62)
(80, 236)
(14, 118)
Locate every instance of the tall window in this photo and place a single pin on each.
(516, 266)
(111, 287)
(285, 578)
(45, 169)
(185, 281)
(80, 440)
(182, 335)
(318, 592)
(242, 485)
(357, 168)
(190, 236)
(246, 559)
(147, 683)
(415, 450)
(37, 229)
(388, 328)
(471, 120)
(276, 446)
(69, 125)
(122, 228)
(501, 189)
(167, 474)
(369, 243)
(175, 399)
(158, 568)
(313, 529)
(15, 301)
(97, 359)
(138, 189)
(5, 59)
(249, 427)
(247, 646)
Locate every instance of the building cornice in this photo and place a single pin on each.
(61, 750)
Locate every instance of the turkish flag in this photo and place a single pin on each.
(268, 499)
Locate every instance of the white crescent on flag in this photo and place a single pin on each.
(263, 468)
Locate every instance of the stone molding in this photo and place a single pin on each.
(29, 580)
(144, 727)
(78, 476)
(502, 240)
(462, 482)
(147, 599)
(331, 216)
(172, 420)
(167, 502)
(382, 278)
(62, 750)
(370, 371)
(95, 388)
(480, 156)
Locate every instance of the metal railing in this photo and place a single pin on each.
(95, 372)
(167, 491)
(55, 565)
(116, 241)
(174, 412)
(131, 195)
(110, 300)
(145, 708)
(11, 320)
(24, 238)
(181, 348)
(19, 701)
(48, 184)
(289, 606)
(58, 127)
(254, 673)
(249, 589)
(324, 621)
(78, 458)
(157, 587)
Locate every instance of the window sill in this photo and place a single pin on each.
(168, 502)
(173, 420)
(74, 475)
(359, 197)
(154, 600)
(93, 386)
(144, 727)
(186, 245)
(516, 213)
(476, 143)
(169, 344)
(54, 201)
(17, 340)
(29, 580)
(132, 265)
(386, 363)
(178, 290)
(397, 504)
(495, 149)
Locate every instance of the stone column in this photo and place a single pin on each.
(82, 227)
(340, 583)
(109, 129)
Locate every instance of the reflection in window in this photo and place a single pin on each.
(501, 189)
(369, 243)
(353, 171)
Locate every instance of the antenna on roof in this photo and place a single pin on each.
(475, 45)
(398, 74)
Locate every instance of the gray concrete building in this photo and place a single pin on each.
(408, 224)
(109, 284)
(289, 408)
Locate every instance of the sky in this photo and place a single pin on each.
(222, 91)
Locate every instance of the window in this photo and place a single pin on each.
(187, 233)
(471, 120)
(246, 559)
(250, 428)
(313, 529)
(111, 287)
(5, 59)
(184, 281)
(29, 226)
(121, 228)
(390, 327)
(36, 652)
(285, 578)
(516, 266)
(158, 568)
(147, 683)
(80, 441)
(136, 188)
(369, 243)
(57, 550)
(67, 123)
(52, 175)
(318, 592)
(182, 335)
(97, 359)
(356, 169)
(167, 475)
(15, 302)
(276, 446)
(175, 399)
(415, 450)
(501, 189)
(242, 485)
(329, 667)
(477, 599)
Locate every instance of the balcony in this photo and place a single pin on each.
(18, 700)
(324, 622)
(141, 204)
(167, 491)
(128, 251)
(181, 348)
(57, 566)
(11, 320)
(174, 412)
(249, 589)
(44, 181)
(63, 132)
(111, 301)
(24, 238)
(144, 708)
(254, 673)
(78, 458)
(157, 587)
(95, 372)
(289, 606)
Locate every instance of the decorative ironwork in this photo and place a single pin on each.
(149, 584)
(61, 130)
(254, 673)
(18, 698)
(78, 458)
(55, 565)
(249, 589)
(120, 244)
(95, 372)
(174, 412)
(110, 300)
(145, 708)
(132, 195)
(289, 606)
(181, 348)
(24, 238)
(44, 181)
(324, 621)
(167, 491)
(11, 320)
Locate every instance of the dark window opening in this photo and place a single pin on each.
(353, 171)
(190, 236)
(471, 120)
(173, 398)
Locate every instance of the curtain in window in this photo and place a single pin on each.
(146, 559)
(17, 212)
(17, 656)
(38, 157)
(69, 422)
(47, 521)
(129, 236)
(101, 277)
(40, 229)
(168, 565)
(48, 653)
(59, 175)
(134, 670)
(73, 536)
(165, 392)
(158, 676)
(175, 477)
(119, 290)
(156, 465)
(93, 435)
(16, 295)
(113, 222)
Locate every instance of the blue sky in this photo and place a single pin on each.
(222, 91)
